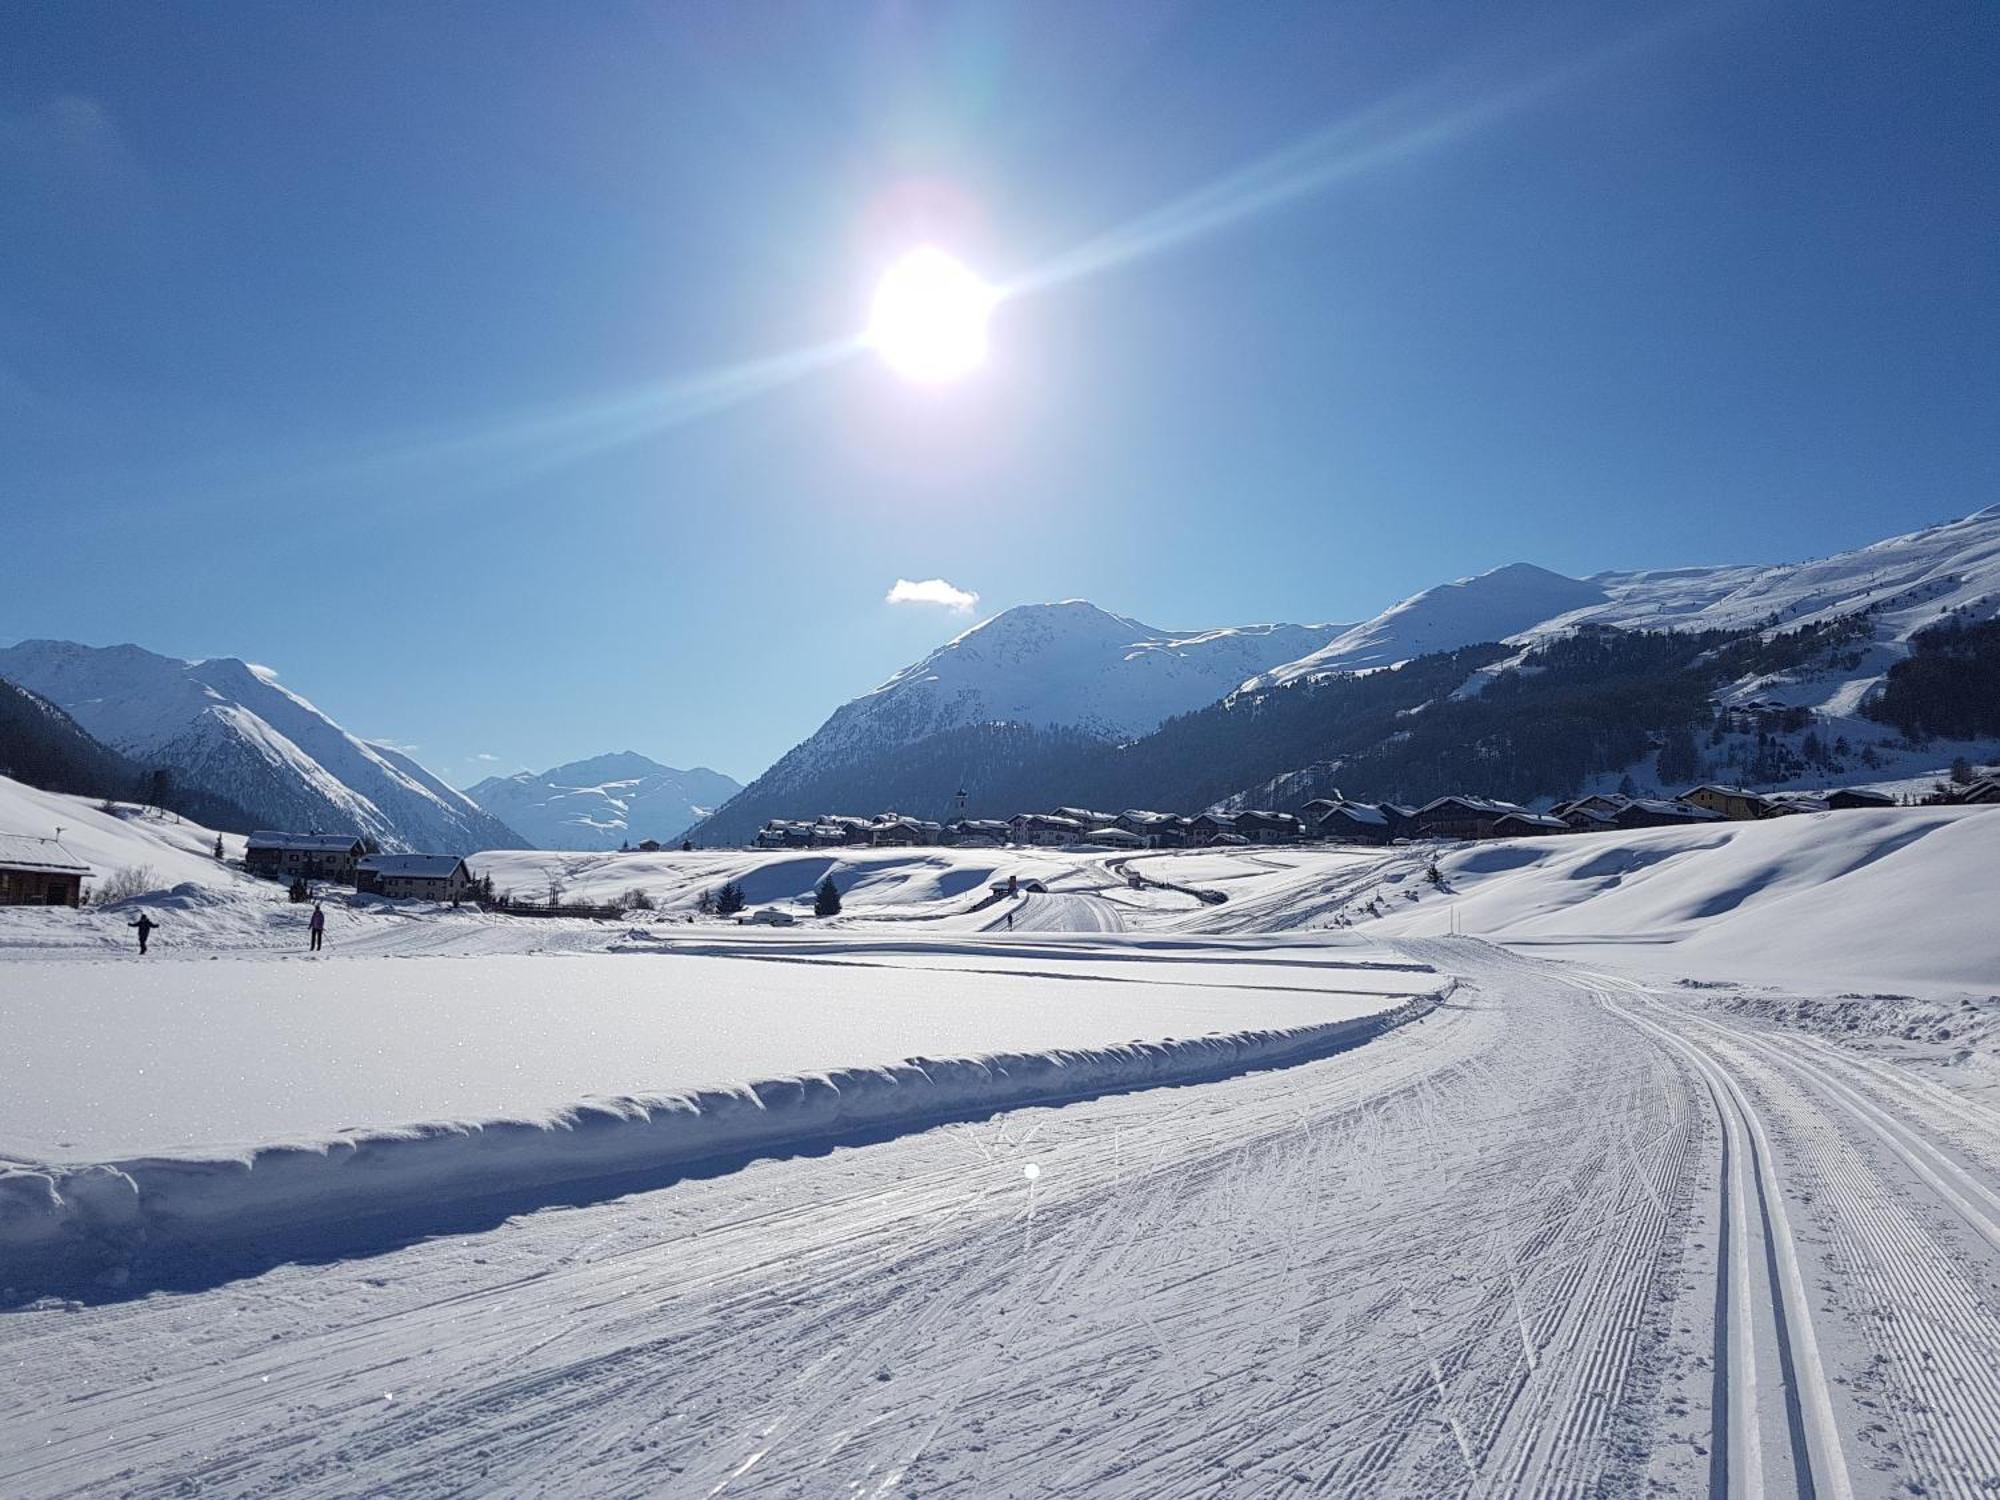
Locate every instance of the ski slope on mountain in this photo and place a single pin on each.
(1489, 607)
(604, 802)
(232, 729)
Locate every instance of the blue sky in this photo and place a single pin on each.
(377, 342)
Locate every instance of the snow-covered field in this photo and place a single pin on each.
(1686, 1182)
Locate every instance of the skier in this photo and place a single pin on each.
(1010, 919)
(317, 927)
(145, 924)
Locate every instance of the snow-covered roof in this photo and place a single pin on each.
(1473, 804)
(413, 866)
(314, 843)
(1674, 809)
(1356, 812)
(20, 851)
(1535, 820)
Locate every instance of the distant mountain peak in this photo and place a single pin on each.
(1067, 665)
(604, 801)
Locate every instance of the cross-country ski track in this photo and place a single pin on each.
(1565, 1236)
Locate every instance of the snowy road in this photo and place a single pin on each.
(1566, 1237)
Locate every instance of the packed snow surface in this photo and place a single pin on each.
(218, 1059)
(1883, 899)
(1677, 1173)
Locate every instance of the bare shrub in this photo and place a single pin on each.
(126, 882)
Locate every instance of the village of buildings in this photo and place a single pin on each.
(1331, 820)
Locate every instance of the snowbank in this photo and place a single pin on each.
(195, 1102)
(63, 1220)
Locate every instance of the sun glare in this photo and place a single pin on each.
(929, 317)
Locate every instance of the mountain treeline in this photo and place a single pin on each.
(44, 747)
(1949, 685)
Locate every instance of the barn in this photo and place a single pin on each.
(39, 872)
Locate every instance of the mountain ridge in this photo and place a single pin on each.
(1871, 601)
(232, 729)
(1067, 666)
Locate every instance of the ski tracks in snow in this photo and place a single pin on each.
(1567, 1237)
(1857, 1268)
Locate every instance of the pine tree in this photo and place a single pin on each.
(729, 900)
(826, 900)
(1680, 761)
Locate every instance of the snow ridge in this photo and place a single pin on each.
(61, 1217)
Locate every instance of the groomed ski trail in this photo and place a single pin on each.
(1569, 1236)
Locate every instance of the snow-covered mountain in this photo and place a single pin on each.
(232, 729)
(604, 801)
(1903, 584)
(1056, 672)
(1489, 607)
(1068, 666)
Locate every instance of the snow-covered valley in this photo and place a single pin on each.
(1663, 1162)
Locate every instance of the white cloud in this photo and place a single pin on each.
(932, 591)
(482, 755)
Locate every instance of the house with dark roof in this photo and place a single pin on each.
(978, 832)
(1527, 825)
(1460, 817)
(1656, 812)
(1208, 827)
(414, 877)
(39, 872)
(1352, 823)
(1260, 827)
(315, 856)
(1847, 798)
(1044, 828)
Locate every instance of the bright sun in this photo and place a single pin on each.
(929, 318)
